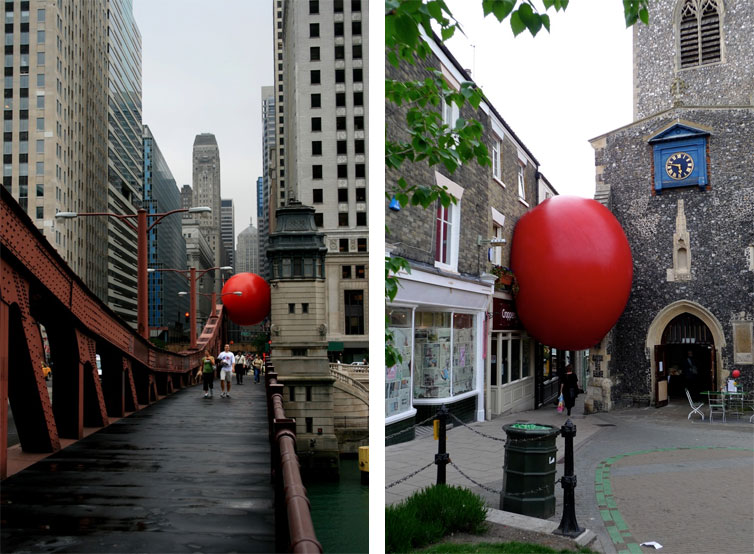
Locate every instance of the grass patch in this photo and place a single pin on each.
(430, 514)
(498, 548)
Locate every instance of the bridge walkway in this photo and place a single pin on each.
(186, 474)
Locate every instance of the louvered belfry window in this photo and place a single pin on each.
(700, 33)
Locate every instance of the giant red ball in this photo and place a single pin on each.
(254, 303)
(736, 374)
(573, 266)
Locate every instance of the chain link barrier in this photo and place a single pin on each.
(414, 426)
(409, 476)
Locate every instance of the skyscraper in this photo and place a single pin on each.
(247, 254)
(265, 195)
(58, 162)
(227, 230)
(167, 247)
(206, 190)
(323, 148)
(125, 156)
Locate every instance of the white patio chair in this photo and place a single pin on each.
(716, 405)
(695, 408)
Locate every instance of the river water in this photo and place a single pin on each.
(340, 510)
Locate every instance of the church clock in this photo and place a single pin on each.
(680, 157)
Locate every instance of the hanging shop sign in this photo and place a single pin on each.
(504, 315)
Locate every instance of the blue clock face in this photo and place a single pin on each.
(679, 165)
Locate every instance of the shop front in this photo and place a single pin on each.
(438, 328)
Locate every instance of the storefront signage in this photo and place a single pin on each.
(504, 315)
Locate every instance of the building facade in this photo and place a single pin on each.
(322, 153)
(227, 230)
(125, 159)
(265, 194)
(247, 254)
(167, 247)
(453, 319)
(206, 191)
(680, 181)
(200, 256)
(55, 125)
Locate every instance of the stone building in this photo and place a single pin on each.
(456, 330)
(679, 178)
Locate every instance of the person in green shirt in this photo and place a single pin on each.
(208, 373)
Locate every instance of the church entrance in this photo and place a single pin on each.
(684, 359)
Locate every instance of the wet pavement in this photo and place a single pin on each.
(644, 474)
(187, 474)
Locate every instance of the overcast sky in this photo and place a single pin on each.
(555, 91)
(204, 64)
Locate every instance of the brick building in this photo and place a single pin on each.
(458, 335)
(680, 180)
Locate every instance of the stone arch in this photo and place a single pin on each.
(666, 315)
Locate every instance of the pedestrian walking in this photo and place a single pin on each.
(569, 388)
(690, 373)
(240, 368)
(257, 365)
(207, 370)
(227, 360)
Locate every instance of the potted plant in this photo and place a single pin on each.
(504, 276)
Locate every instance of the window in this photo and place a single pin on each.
(318, 219)
(361, 245)
(340, 99)
(699, 33)
(313, 30)
(338, 6)
(356, 52)
(342, 171)
(496, 253)
(309, 422)
(40, 212)
(343, 245)
(354, 312)
(40, 15)
(40, 190)
(358, 98)
(340, 75)
(343, 219)
(338, 28)
(361, 219)
(340, 52)
(358, 122)
(316, 124)
(316, 148)
(40, 124)
(496, 166)
(40, 168)
(313, 7)
(361, 272)
(340, 123)
(343, 195)
(358, 74)
(317, 196)
(292, 392)
(360, 171)
(316, 101)
(345, 271)
(305, 310)
(315, 76)
(291, 308)
(40, 37)
(355, 5)
(447, 226)
(41, 146)
(521, 183)
(361, 194)
(316, 172)
(449, 114)
(40, 58)
(314, 53)
(358, 146)
(356, 27)
(342, 147)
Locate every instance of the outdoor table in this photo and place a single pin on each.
(733, 400)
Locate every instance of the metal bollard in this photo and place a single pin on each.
(568, 524)
(442, 458)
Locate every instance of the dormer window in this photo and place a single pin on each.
(699, 33)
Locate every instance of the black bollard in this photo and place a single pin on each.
(568, 524)
(442, 458)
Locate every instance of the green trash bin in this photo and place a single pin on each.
(529, 470)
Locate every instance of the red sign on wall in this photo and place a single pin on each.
(504, 315)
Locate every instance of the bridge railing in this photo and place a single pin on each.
(44, 303)
(293, 521)
(344, 377)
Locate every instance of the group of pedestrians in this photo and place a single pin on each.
(229, 365)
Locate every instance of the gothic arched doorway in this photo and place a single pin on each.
(680, 332)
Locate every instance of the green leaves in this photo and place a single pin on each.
(635, 10)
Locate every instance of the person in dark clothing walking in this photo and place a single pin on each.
(569, 388)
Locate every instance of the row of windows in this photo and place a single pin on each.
(338, 29)
(361, 195)
(353, 272)
(340, 52)
(340, 76)
(344, 220)
(337, 6)
(344, 245)
(317, 172)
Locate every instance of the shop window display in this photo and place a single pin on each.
(463, 353)
(398, 377)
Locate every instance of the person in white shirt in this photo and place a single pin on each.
(226, 360)
(240, 368)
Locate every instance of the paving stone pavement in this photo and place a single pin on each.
(644, 474)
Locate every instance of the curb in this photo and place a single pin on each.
(535, 525)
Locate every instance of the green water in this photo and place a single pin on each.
(340, 510)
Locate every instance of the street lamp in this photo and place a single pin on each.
(192, 277)
(141, 228)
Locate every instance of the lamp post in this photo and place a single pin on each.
(193, 276)
(141, 228)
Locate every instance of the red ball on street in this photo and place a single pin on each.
(736, 374)
(573, 266)
(254, 303)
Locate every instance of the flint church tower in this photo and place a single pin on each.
(680, 179)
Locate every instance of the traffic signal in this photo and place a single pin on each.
(188, 317)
